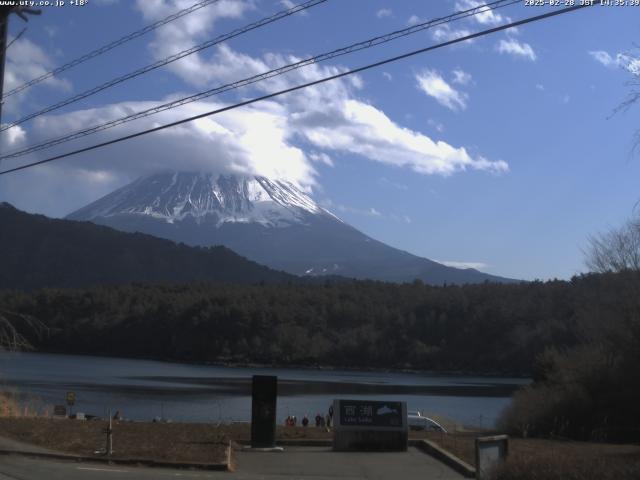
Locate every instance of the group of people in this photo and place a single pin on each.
(321, 421)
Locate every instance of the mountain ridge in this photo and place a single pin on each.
(37, 252)
(271, 222)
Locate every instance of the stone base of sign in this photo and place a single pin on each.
(263, 449)
(368, 440)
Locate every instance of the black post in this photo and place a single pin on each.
(264, 393)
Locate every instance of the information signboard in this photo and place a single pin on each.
(60, 411)
(370, 425)
(370, 413)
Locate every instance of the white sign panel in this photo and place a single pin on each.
(490, 452)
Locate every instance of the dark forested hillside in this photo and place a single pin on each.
(487, 328)
(36, 252)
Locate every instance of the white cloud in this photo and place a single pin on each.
(373, 212)
(26, 61)
(413, 20)
(384, 181)
(487, 16)
(540, 87)
(431, 83)
(444, 33)
(266, 138)
(359, 128)
(604, 58)
(262, 138)
(437, 125)
(12, 138)
(513, 47)
(331, 118)
(461, 77)
(387, 75)
(633, 65)
(512, 30)
(320, 157)
(289, 4)
(455, 264)
(51, 30)
(187, 31)
(366, 212)
(384, 12)
(251, 140)
(621, 60)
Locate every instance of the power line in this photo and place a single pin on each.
(222, 38)
(263, 76)
(306, 85)
(17, 37)
(110, 46)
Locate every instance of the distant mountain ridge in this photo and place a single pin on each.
(37, 251)
(271, 222)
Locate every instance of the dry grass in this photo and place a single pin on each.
(176, 442)
(14, 405)
(548, 460)
(9, 407)
(173, 442)
(540, 459)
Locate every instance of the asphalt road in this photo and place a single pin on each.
(14, 467)
(294, 463)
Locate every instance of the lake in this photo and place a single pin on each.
(144, 389)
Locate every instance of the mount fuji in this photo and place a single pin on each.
(269, 221)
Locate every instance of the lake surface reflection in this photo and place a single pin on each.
(143, 389)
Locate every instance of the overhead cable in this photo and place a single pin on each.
(366, 44)
(302, 86)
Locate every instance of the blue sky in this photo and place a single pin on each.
(502, 153)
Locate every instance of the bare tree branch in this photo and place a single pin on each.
(616, 250)
(12, 326)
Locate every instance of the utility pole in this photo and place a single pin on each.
(5, 11)
(4, 29)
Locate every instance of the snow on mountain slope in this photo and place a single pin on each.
(173, 197)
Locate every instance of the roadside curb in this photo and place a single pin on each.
(296, 442)
(445, 457)
(226, 466)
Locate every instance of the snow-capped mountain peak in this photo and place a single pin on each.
(269, 221)
(219, 199)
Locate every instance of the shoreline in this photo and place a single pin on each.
(318, 368)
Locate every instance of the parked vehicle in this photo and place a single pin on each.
(419, 422)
